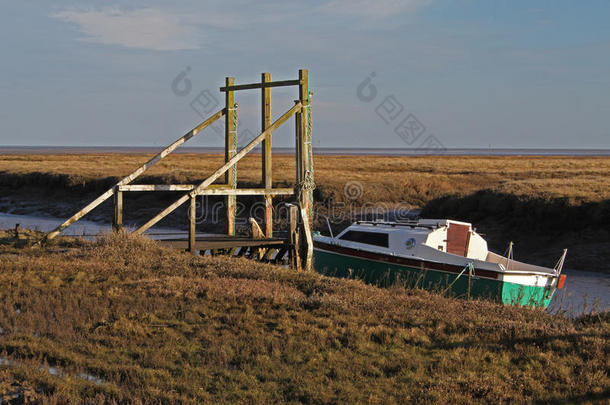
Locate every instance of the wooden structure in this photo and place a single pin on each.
(300, 243)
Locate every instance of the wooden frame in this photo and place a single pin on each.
(304, 175)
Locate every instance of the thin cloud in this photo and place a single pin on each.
(377, 9)
(143, 28)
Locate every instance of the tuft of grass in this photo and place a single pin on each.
(148, 324)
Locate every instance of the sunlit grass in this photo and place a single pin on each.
(413, 180)
(165, 326)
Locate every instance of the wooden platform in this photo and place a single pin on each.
(224, 242)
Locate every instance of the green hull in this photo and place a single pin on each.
(385, 274)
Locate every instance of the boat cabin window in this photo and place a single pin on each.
(369, 238)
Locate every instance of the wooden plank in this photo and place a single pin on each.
(157, 187)
(266, 154)
(305, 141)
(230, 151)
(221, 243)
(222, 170)
(280, 255)
(269, 254)
(250, 86)
(117, 219)
(168, 187)
(126, 180)
(248, 191)
(308, 259)
(295, 259)
(297, 148)
(192, 224)
(257, 233)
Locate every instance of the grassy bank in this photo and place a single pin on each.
(125, 320)
(412, 180)
(543, 204)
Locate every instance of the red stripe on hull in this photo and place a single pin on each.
(450, 268)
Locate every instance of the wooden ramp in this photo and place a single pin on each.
(300, 240)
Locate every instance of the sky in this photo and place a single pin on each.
(385, 73)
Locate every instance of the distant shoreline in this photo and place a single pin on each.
(18, 150)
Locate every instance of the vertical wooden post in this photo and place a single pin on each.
(266, 153)
(305, 144)
(230, 151)
(117, 219)
(305, 173)
(192, 223)
(294, 252)
(298, 142)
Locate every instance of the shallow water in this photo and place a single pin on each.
(584, 291)
(85, 228)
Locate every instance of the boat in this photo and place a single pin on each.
(441, 255)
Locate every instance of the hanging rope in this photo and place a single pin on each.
(470, 268)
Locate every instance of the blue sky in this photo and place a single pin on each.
(500, 73)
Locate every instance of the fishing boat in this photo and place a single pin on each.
(441, 255)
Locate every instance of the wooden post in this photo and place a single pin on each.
(305, 173)
(306, 241)
(294, 253)
(192, 224)
(267, 154)
(230, 151)
(117, 220)
(305, 145)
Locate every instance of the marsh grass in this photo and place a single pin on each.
(163, 326)
(398, 179)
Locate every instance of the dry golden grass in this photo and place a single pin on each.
(414, 180)
(160, 326)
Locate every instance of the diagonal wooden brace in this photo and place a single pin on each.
(93, 204)
(207, 182)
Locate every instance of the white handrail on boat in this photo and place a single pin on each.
(559, 266)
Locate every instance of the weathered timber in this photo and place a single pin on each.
(267, 180)
(251, 86)
(126, 180)
(230, 151)
(220, 171)
(192, 223)
(117, 219)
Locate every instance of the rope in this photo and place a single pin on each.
(468, 267)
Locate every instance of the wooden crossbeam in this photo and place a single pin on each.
(222, 170)
(168, 187)
(247, 191)
(126, 180)
(213, 189)
(250, 86)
